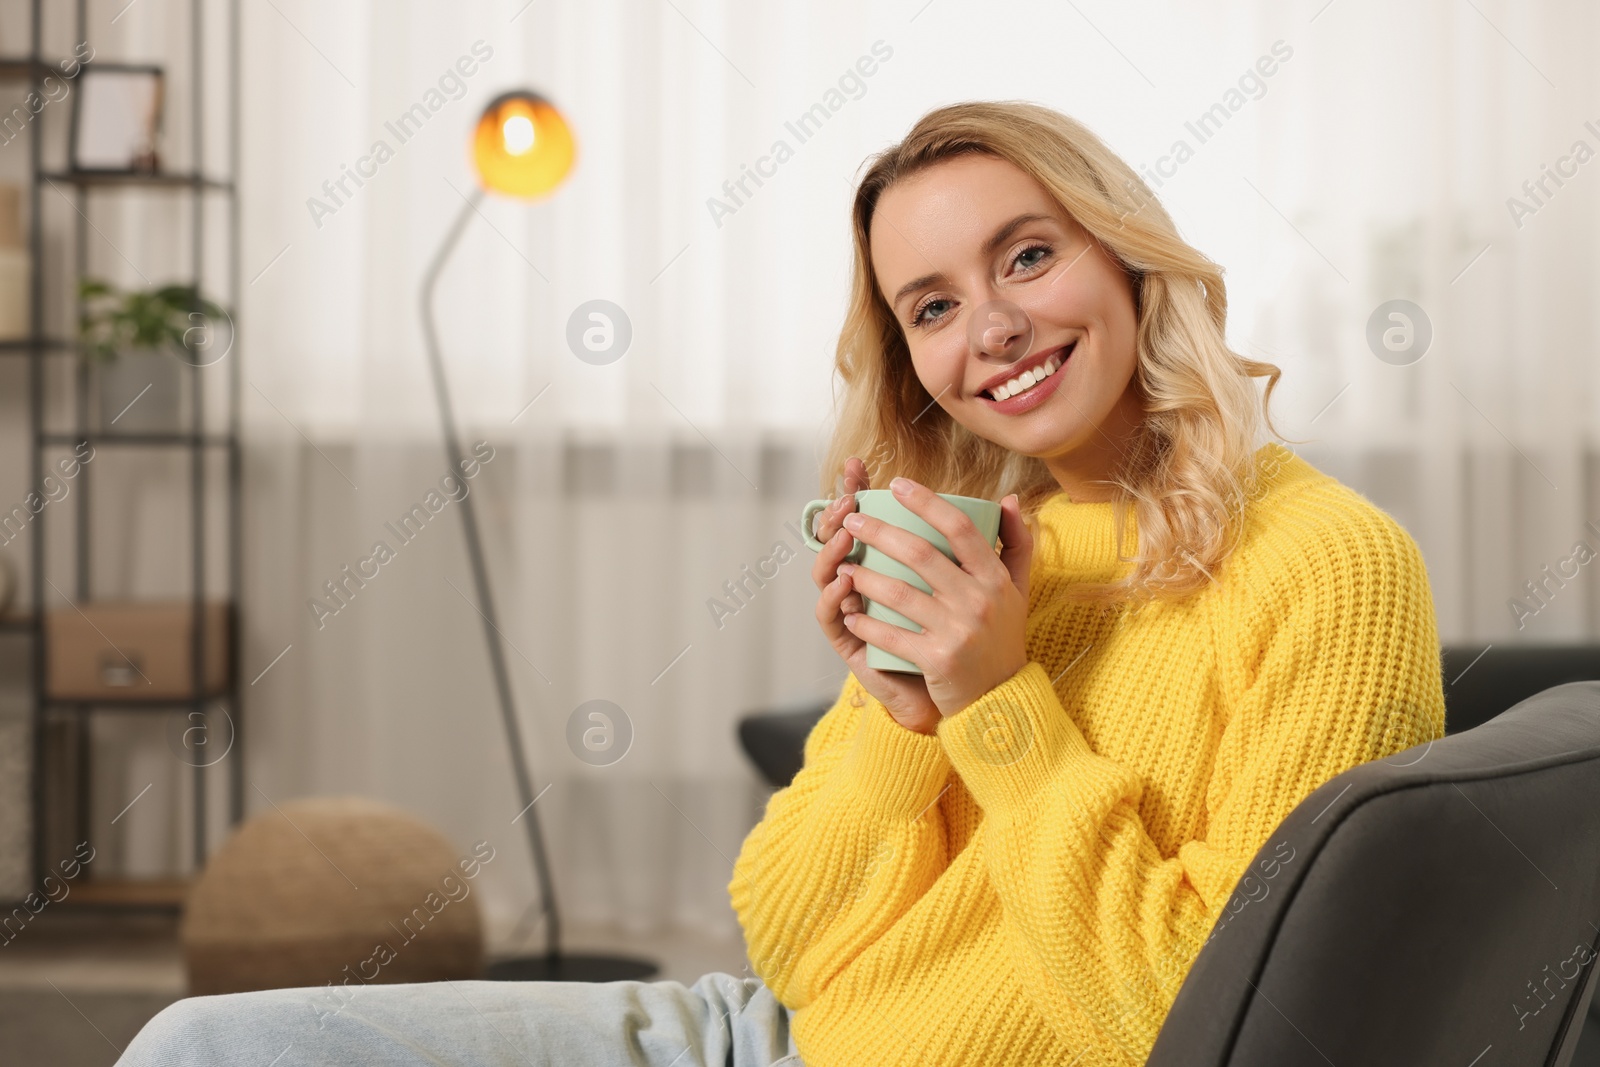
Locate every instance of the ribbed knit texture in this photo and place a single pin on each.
(1031, 884)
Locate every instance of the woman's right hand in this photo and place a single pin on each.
(904, 695)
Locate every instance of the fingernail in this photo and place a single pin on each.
(853, 521)
(847, 568)
(900, 486)
(850, 619)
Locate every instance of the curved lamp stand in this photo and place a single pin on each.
(554, 965)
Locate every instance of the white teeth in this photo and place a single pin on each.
(1027, 379)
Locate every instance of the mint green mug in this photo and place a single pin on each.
(882, 504)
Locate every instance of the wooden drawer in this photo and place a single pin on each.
(133, 650)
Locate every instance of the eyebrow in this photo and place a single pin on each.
(998, 238)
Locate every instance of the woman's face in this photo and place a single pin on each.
(976, 229)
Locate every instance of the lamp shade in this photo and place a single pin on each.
(522, 146)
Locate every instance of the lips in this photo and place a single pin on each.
(1026, 373)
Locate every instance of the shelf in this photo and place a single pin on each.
(53, 369)
(103, 179)
(23, 68)
(148, 440)
(23, 346)
(166, 893)
(129, 704)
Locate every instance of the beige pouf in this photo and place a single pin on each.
(334, 889)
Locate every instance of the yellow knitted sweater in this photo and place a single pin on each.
(1031, 884)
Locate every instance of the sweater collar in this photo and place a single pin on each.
(1081, 538)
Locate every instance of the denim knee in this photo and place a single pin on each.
(207, 1030)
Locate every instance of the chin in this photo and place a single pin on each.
(1043, 437)
(1059, 417)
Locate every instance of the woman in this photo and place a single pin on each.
(1015, 857)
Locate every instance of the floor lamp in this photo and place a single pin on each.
(522, 147)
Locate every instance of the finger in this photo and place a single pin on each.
(974, 554)
(852, 602)
(831, 615)
(899, 544)
(829, 612)
(1016, 541)
(855, 475)
(828, 518)
(826, 566)
(897, 595)
(887, 636)
(854, 479)
(840, 598)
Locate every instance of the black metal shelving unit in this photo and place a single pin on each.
(200, 441)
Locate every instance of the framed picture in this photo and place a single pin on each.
(116, 119)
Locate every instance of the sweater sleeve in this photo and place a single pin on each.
(1102, 925)
(844, 850)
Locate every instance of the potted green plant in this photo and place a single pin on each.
(139, 342)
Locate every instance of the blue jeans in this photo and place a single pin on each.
(721, 1019)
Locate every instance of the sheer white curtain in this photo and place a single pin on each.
(1372, 163)
(624, 499)
(1440, 153)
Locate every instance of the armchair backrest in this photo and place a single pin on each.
(1437, 906)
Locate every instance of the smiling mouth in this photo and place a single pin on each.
(1029, 378)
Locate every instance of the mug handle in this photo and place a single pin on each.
(857, 550)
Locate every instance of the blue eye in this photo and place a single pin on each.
(1034, 248)
(916, 316)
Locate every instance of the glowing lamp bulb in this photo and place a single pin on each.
(518, 134)
(522, 145)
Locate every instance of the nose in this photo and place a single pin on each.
(999, 332)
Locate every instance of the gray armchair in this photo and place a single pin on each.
(1442, 906)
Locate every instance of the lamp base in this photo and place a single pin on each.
(570, 967)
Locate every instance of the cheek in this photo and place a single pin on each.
(1115, 300)
(1122, 333)
(1106, 308)
(1090, 298)
(939, 362)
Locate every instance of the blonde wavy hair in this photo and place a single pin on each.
(1188, 473)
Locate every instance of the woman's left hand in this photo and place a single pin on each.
(974, 622)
